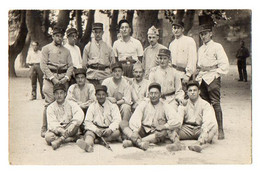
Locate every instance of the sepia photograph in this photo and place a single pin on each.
(129, 86)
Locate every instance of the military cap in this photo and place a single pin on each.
(153, 30)
(138, 65)
(116, 65)
(71, 30)
(59, 86)
(58, 29)
(164, 52)
(205, 27)
(178, 23)
(155, 85)
(97, 26)
(101, 88)
(80, 71)
(123, 21)
(192, 83)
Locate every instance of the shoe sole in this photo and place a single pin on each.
(84, 146)
(195, 148)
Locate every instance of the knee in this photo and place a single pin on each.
(160, 136)
(125, 111)
(49, 137)
(123, 124)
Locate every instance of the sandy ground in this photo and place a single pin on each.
(27, 147)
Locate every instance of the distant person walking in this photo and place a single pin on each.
(242, 54)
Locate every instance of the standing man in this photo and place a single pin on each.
(184, 53)
(72, 36)
(150, 58)
(168, 78)
(102, 120)
(139, 85)
(151, 121)
(64, 119)
(212, 63)
(97, 57)
(198, 120)
(242, 54)
(82, 92)
(127, 49)
(33, 60)
(56, 64)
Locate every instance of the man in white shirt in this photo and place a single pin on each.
(33, 60)
(212, 63)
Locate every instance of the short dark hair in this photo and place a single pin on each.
(123, 21)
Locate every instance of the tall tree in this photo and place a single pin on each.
(63, 18)
(113, 26)
(188, 20)
(79, 22)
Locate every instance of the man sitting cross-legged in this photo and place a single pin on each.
(102, 120)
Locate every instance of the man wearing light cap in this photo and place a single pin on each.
(127, 49)
(64, 118)
(151, 122)
(139, 85)
(212, 63)
(97, 57)
(168, 78)
(102, 120)
(82, 92)
(57, 67)
(183, 52)
(150, 58)
(198, 120)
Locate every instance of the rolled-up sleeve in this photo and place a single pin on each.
(173, 120)
(88, 123)
(78, 114)
(135, 121)
(116, 118)
(53, 123)
(209, 119)
(222, 59)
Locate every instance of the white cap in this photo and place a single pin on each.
(153, 30)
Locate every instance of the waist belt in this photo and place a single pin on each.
(102, 127)
(127, 61)
(58, 71)
(98, 67)
(167, 94)
(179, 68)
(207, 68)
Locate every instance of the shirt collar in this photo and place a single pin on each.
(156, 45)
(130, 40)
(209, 42)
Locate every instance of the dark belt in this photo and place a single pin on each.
(167, 94)
(98, 67)
(127, 61)
(102, 127)
(179, 68)
(58, 71)
(207, 68)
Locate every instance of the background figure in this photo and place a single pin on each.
(242, 54)
(33, 60)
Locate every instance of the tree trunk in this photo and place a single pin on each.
(18, 45)
(113, 26)
(34, 25)
(63, 19)
(79, 22)
(46, 22)
(23, 54)
(145, 19)
(130, 17)
(87, 34)
(188, 21)
(180, 15)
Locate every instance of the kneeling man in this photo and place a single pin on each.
(102, 120)
(199, 122)
(151, 121)
(63, 117)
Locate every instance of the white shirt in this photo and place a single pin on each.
(123, 49)
(184, 54)
(34, 57)
(75, 55)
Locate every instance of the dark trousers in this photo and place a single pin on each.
(241, 66)
(36, 73)
(211, 93)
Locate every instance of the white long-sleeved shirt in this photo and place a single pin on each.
(58, 116)
(34, 57)
(75, 55)
(201, 113)
(184, 54)
(149, 116)
(105, 116)
(139, 90)
(212, 54)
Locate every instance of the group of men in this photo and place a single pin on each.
(123, 93)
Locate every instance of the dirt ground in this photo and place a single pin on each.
(27, 147)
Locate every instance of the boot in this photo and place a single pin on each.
(221, 135)
(56, 143)
(144, 145)
(33, 96)
(177, 146)
(219, 118)
(195, 148)
(71, 139)
(84, 146)
(44, 122)
(43, 132)
(127, 143)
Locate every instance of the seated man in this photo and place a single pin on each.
(151, 121)
(139, 90)
(102, 120)
(63, 117)
(199, 122)
(83, 92)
